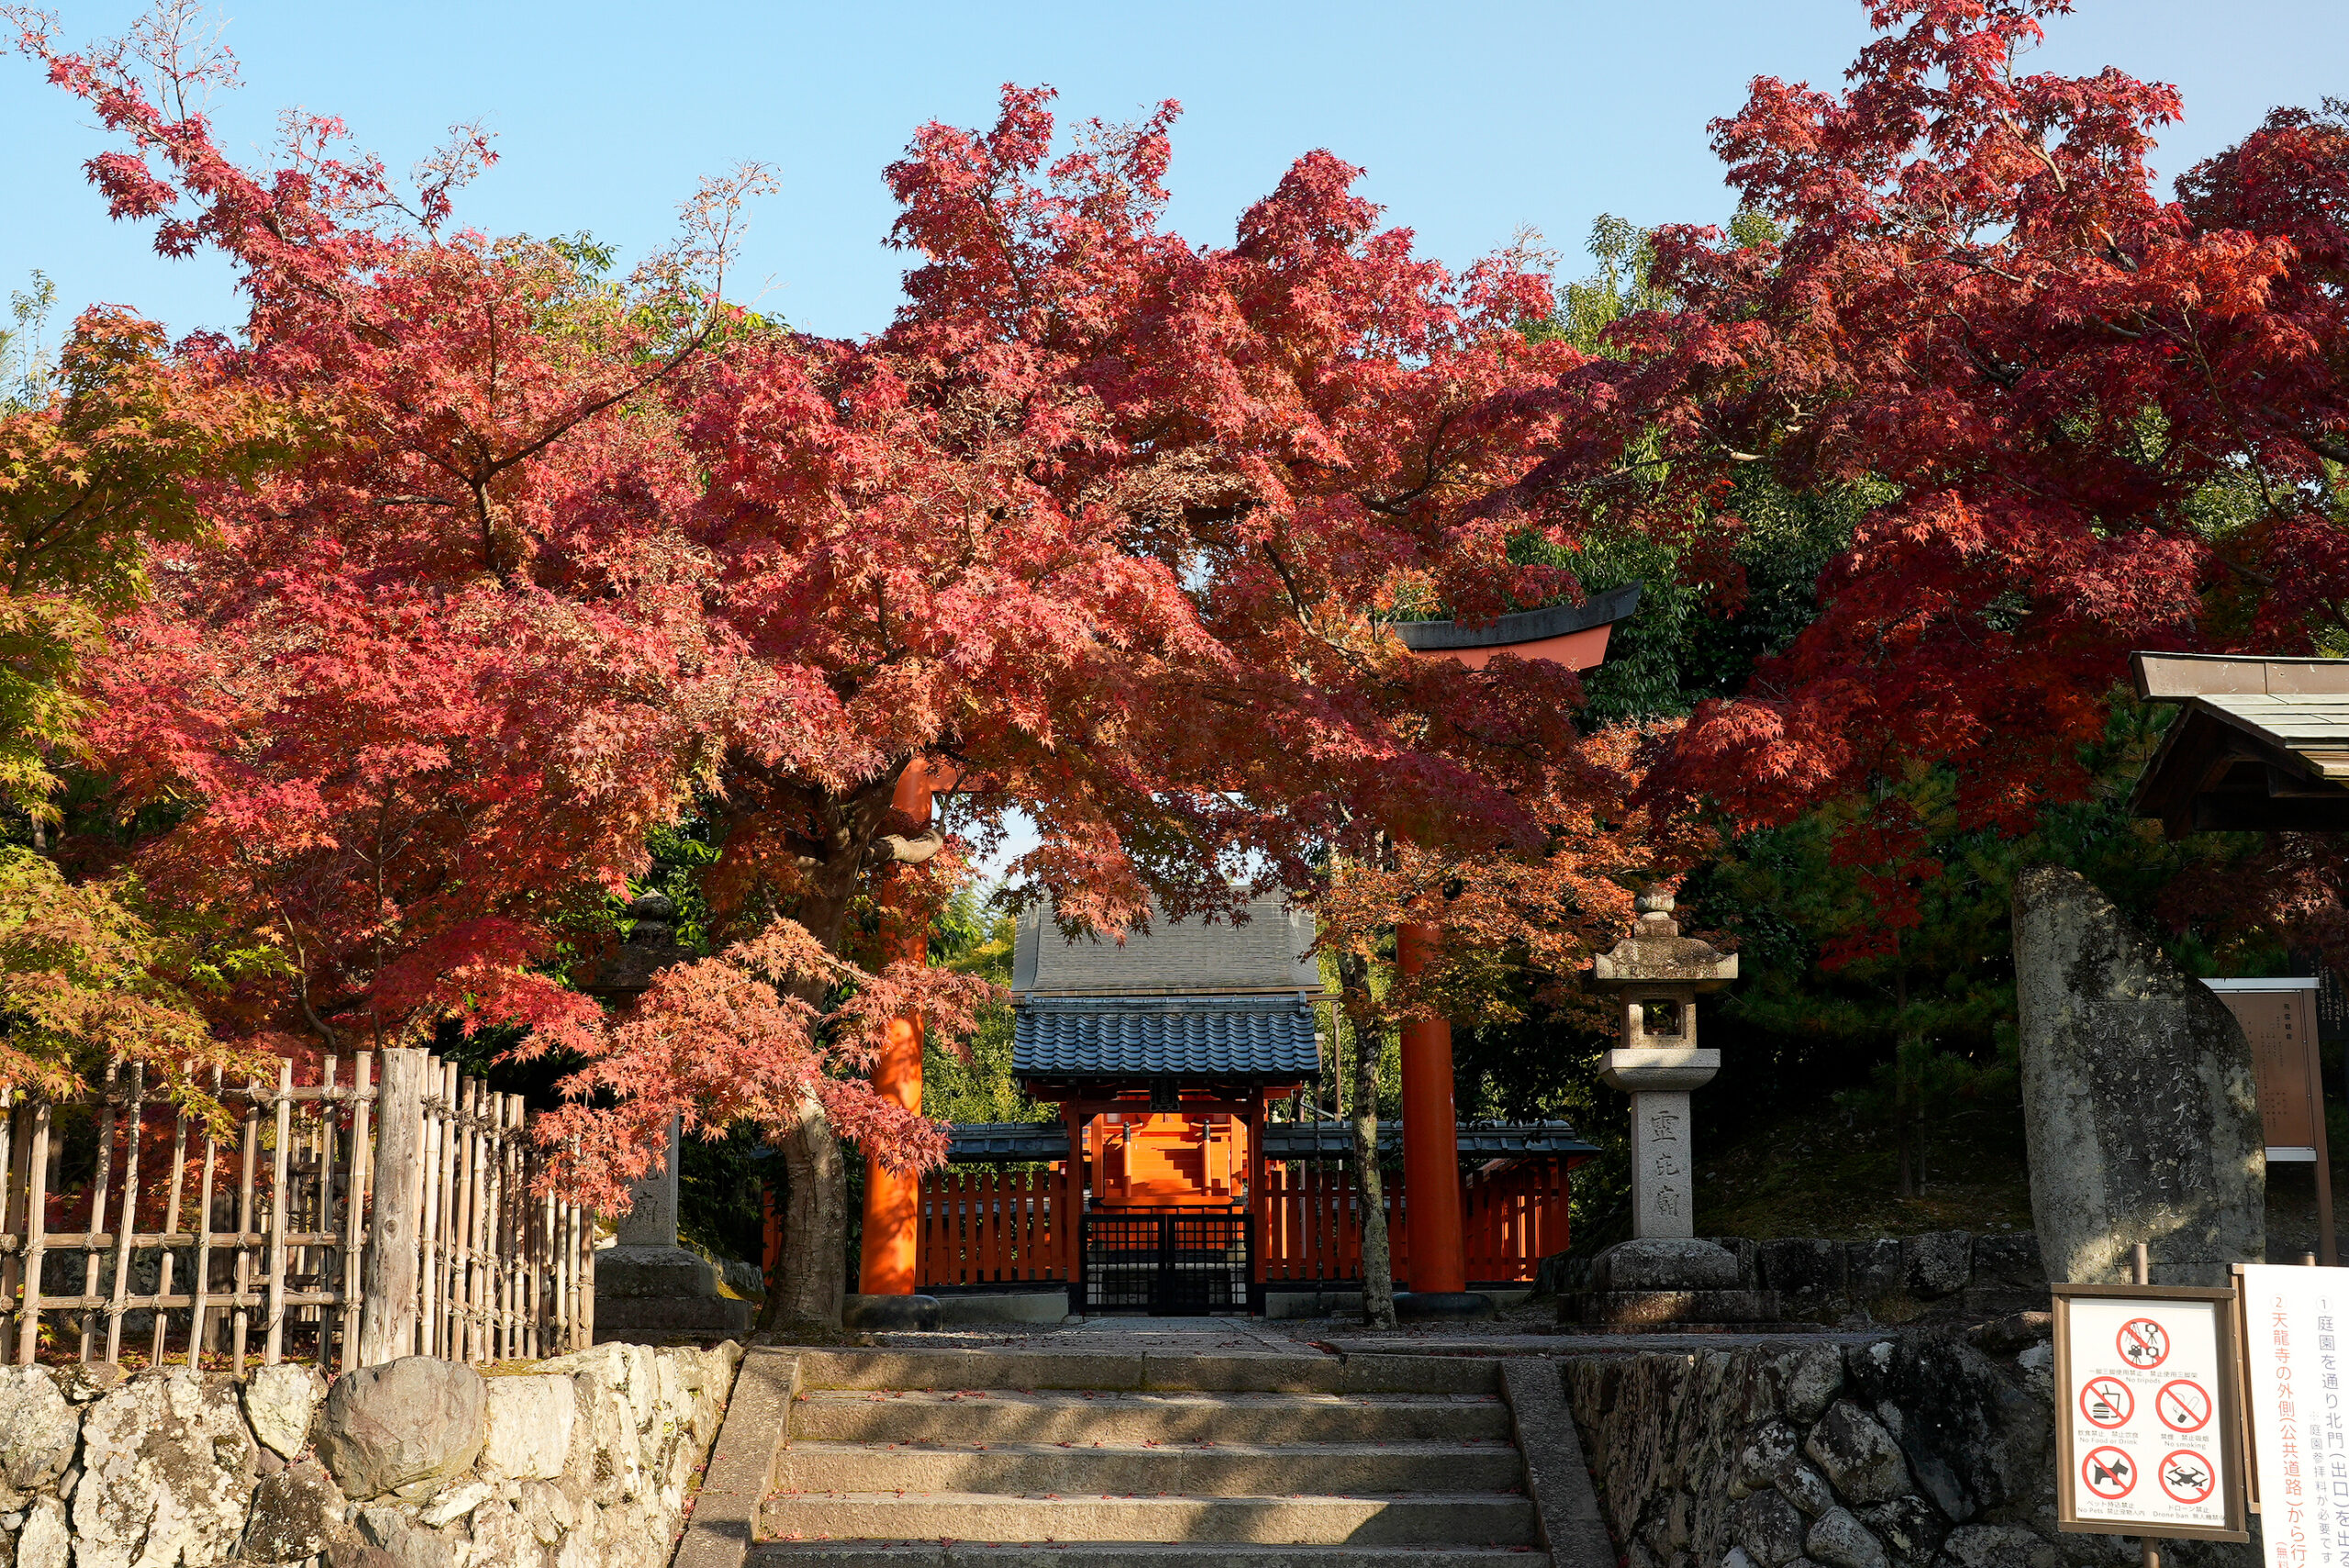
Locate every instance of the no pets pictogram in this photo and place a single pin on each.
(2110, 1473)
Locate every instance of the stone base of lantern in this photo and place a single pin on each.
(642, 1293)
(1661, 1281)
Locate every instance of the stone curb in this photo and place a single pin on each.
(1149, 1372)
(742, 1464)
(1565, 1505)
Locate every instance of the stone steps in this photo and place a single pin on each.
(916, 1415)
(1219, 1469)
(1189, 1461)
(1441, 1518)
(1150, 1554)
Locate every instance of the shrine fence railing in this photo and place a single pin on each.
(366, 1208)
(989, 1228)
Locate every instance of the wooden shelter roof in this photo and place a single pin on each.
(2258, 744)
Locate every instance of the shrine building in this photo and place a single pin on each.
(1191, 1169)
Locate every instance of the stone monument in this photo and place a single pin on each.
(2140, 1110)
(1658, 973)
(647, 1284)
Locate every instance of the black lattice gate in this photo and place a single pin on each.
(1167, 1262)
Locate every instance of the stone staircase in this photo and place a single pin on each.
(1086, 1461)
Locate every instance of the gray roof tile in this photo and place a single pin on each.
(1133, 1037)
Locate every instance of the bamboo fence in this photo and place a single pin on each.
(384, 1209)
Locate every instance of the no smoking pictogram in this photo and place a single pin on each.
(2183, 1404)
(2187, 1477)
(2106, 1402)
(2110, 1473)
(2142, 1343)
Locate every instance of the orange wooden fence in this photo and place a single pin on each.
(995, 1228)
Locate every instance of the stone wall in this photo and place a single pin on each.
(581, 1461)
(1920, 1449)
(1728, 1279)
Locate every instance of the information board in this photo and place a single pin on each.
(2147, 1435)
(2300, 1435)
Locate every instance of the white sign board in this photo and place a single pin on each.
(2148, 1415)
(2294, 1320)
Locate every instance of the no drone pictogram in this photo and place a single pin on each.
(2142, 1343)
(2187, 1477)
(2110, 1473)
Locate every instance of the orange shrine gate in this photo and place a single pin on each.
(983, 1225)
(1166, 1186)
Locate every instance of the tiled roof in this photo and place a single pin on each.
(1525, 625)
(1271, 951)
(1159, 1037)
(991, 1141)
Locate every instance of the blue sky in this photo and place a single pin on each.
(1471, 118)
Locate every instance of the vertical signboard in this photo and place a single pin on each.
(2296, 1353)
(2148, 1435)
(2281, 1019)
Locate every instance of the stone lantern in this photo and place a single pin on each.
(1658, 973)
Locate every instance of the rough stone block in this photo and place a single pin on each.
(1802, 1271)
(1814, 1375)
(1985, 1448)
(1936, 1264)
(530, 1421)
(404, 1427)
(1911, 1532)
(1997, 1546)
(296, 1515)
(2139, 1106)
(168, 1470)
(37, 1431)
(1670, 1265)
(2009, 1261)
(1769, 1528)
(1858, 1457)
(1872, 1268)
(278, 1402)
(1839, 1540)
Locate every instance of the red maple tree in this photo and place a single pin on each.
(1106, 522)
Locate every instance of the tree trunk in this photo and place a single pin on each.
(815, 1223)
(1377, 1261)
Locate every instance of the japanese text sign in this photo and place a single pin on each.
(2147, 1426)
(2294, 1321)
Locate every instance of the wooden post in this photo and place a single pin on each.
(273, 1344)
(387, 1313)
(354, 1212)
(241, 1312)
(201, 1307)
(100, 1188)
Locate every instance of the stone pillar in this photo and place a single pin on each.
(651, 1218)
(1658, 973)
(2140, 1109)
(647, 1287)
(1657, 1065)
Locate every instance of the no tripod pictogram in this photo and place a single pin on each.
(2183, 1404)
(2110, 1473)
(2142, 1343)
(2106, 1402)
(2187, 1477)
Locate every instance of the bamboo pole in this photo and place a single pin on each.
(202, 1281)
(273, 1308)
(240, 1313)
(161, 1341)
(36, 1229)
(99, 1185)
(129, 1214)
(11, 1193)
